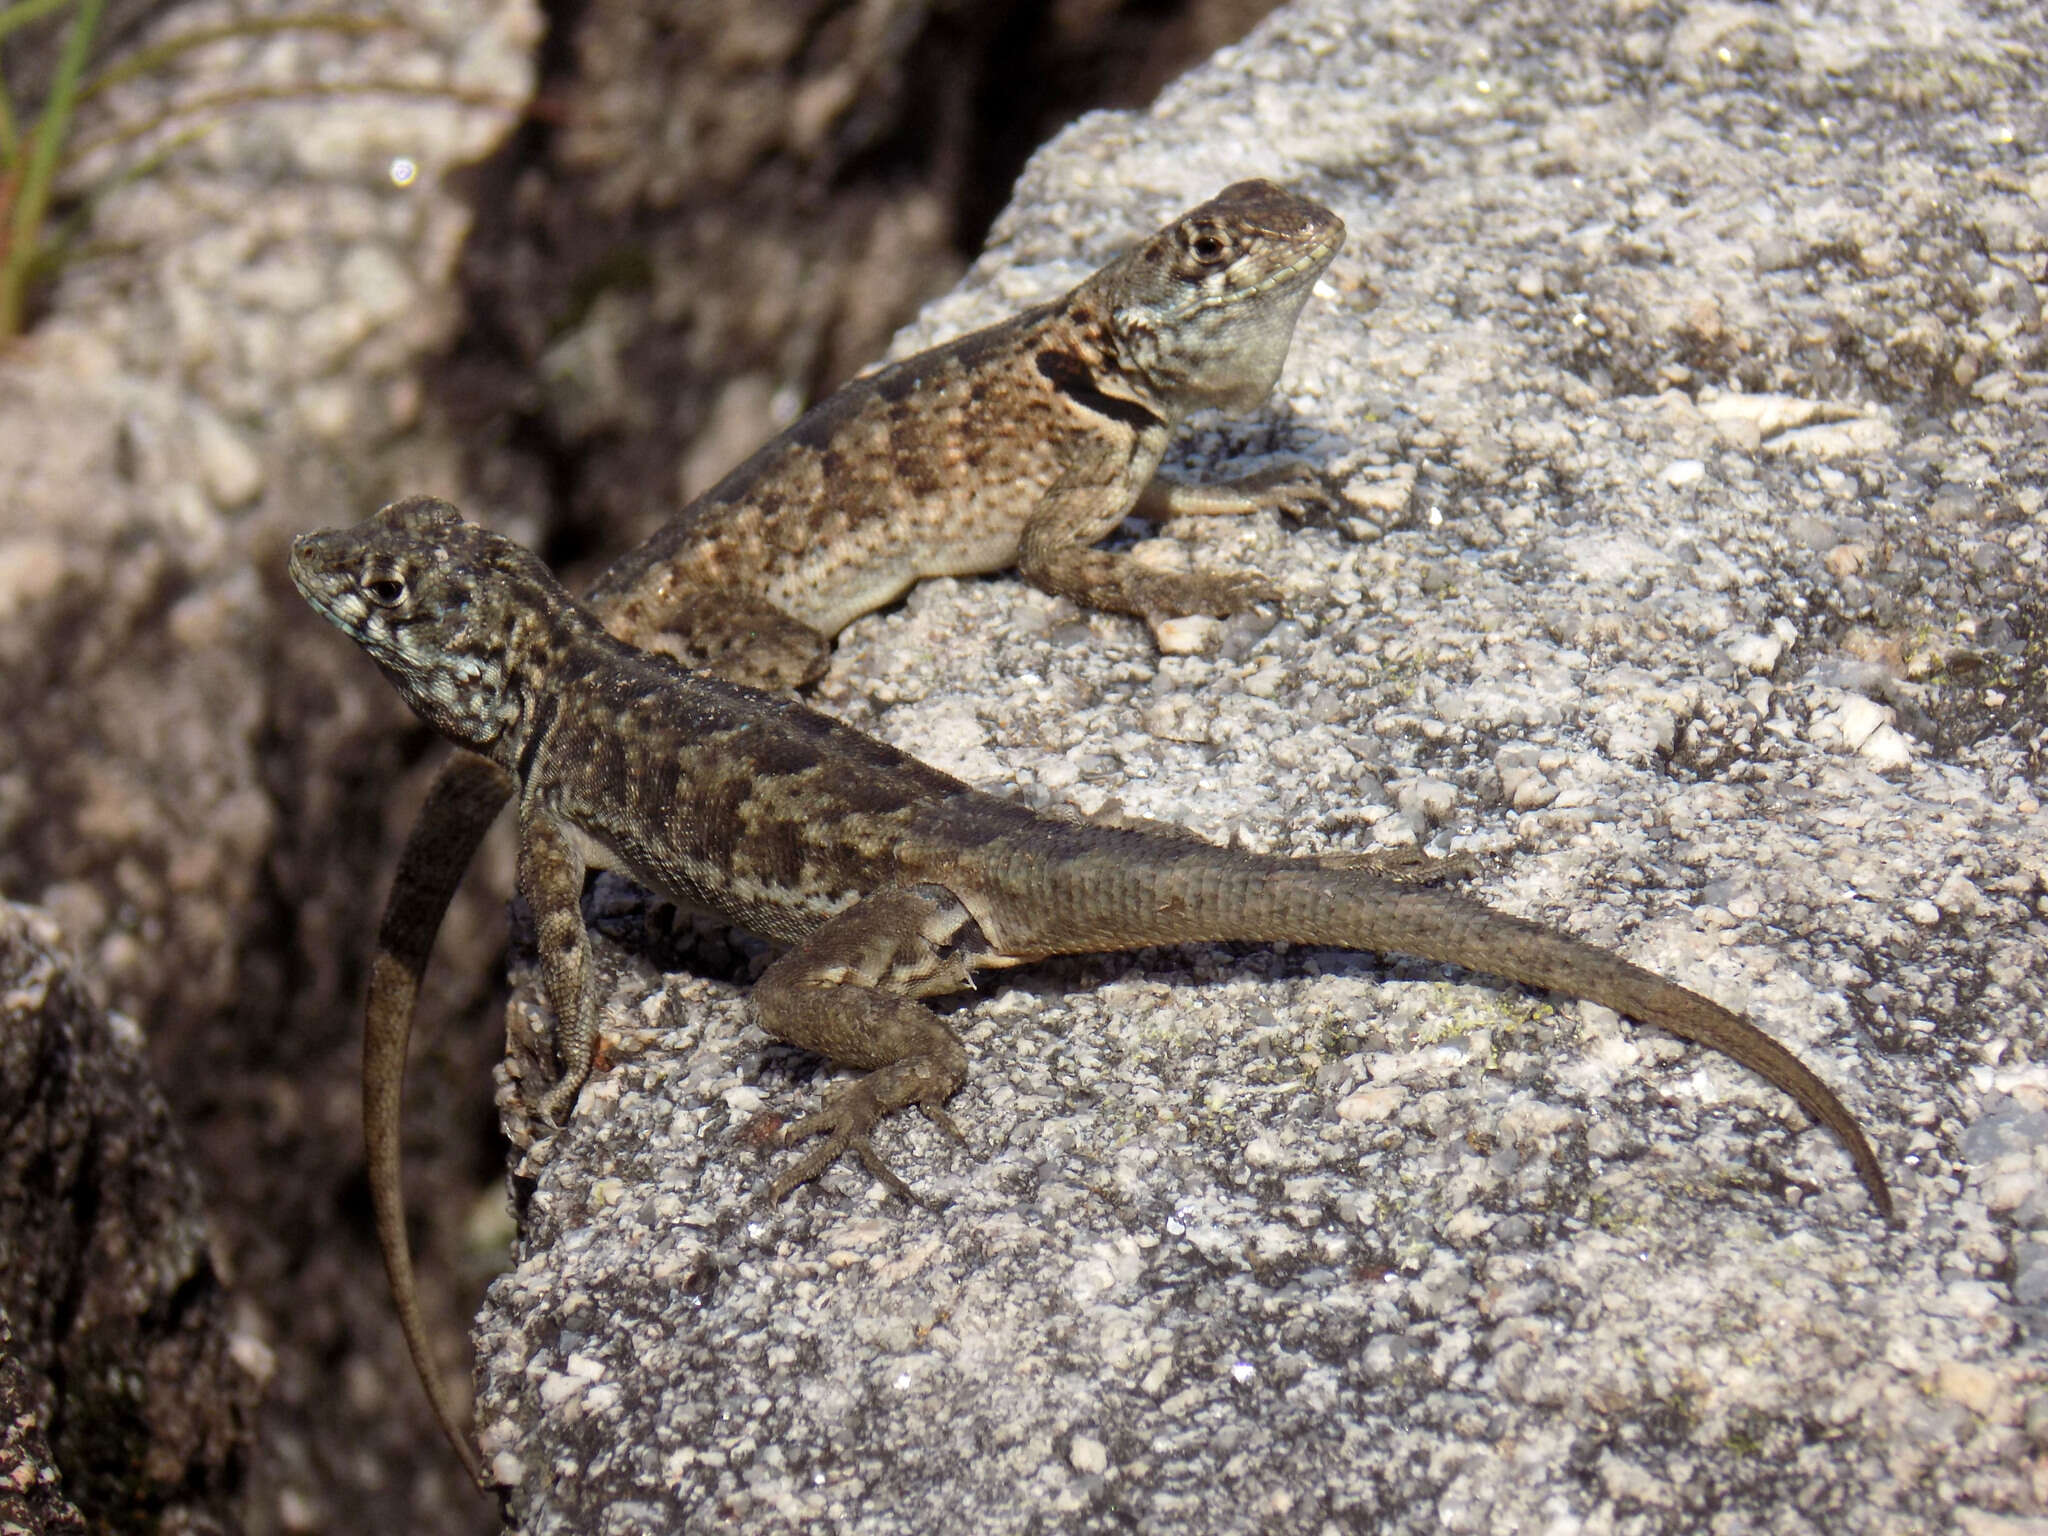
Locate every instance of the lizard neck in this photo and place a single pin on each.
(483, 672)
(544, 654)
(1202, 313)
(1221, 352)
(1084, 352)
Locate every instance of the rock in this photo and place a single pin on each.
(1573, 1274)
(117, 1318)
(195, 774)
(32, 1498)
(1191, 635)
(193, 779)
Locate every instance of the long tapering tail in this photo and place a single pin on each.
(1151, 890)
(1363, 912)
(465, 800)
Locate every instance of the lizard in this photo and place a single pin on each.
(888, 880)
(1021, 444)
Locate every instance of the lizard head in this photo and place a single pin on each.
(1205, 309)
(450, 611)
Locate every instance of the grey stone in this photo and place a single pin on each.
(1191, 1224)
(114, 1320)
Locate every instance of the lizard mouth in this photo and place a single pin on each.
(314, 577)
(1317, 255)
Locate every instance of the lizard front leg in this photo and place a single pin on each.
(849, 992)
(551, 879)
(1293, 488)
(1057, 554)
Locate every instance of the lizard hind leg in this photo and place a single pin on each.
(849, 992)
(734, 635)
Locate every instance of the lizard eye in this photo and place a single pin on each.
(1208, 247)
(385, 591)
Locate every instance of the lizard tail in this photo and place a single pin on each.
(464, 801)
(1443, 928)
(1169, 895)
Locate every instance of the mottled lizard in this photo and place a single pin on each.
(889, 880)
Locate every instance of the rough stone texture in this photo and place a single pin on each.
(195, 778)
(191, 781)
(115, 1331)
(1684, 377)
(32, 1498)
(203, 387)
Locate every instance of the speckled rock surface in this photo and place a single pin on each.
(191, 777)
(116, 1335)
(238, 343)
(32, 1499)
(1684, 378)
(279, 315)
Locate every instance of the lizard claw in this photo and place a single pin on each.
(1217, 593)
(944, 1122)
(844, 1122)
(1236, 592)
(1293, 489)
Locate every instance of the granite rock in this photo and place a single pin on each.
(117, 1335)
(1682, 375)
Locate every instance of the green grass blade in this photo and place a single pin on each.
(32, 193)
(26, 12)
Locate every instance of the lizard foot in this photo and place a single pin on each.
(1293, 489)
(1219, 593)
(849, 1114)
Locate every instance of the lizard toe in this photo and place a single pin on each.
(844, 1122)
(944, 1122)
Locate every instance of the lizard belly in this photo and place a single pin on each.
(829, 601)
(696, 883)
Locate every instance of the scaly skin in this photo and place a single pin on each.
(889, 880)
(1020, 445)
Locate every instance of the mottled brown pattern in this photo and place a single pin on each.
(890, 879)
(880, 464)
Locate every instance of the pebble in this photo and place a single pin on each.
(1195, 634)
(1887, 747)
(1370, 1105)
(1431, 799)
(1089, 1456)
(233, 473)
(1754, 652)
(1969, 1384)
(1859, 719)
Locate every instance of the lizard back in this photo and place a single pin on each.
(962, 441)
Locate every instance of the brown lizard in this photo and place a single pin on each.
(1022, 444)
(889, 880)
